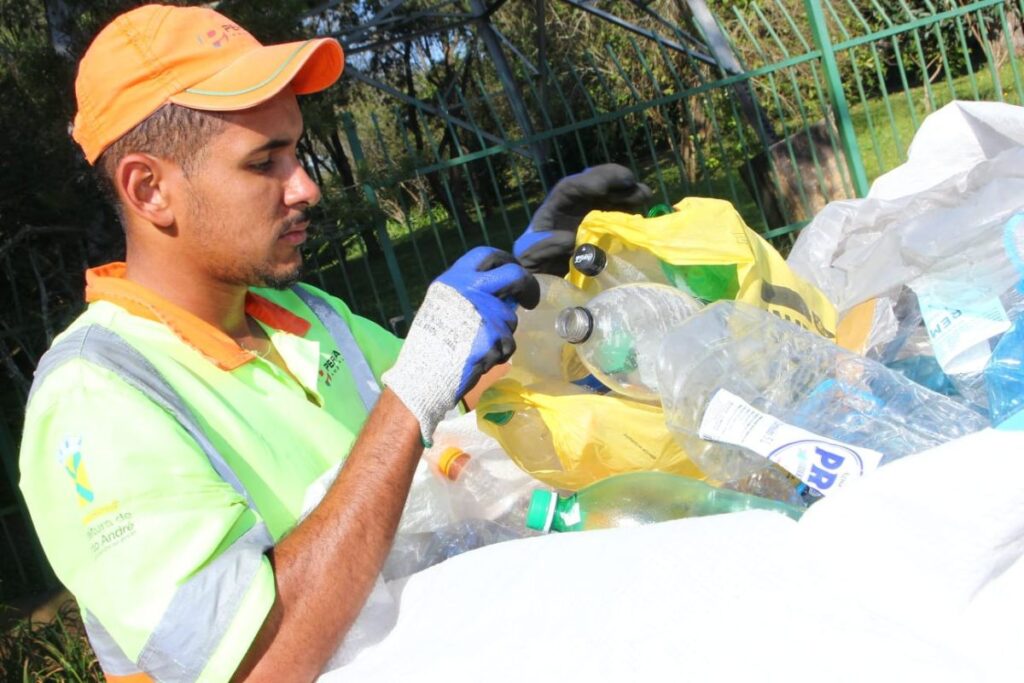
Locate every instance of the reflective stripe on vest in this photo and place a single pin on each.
(366, 383)
(105, 348)
(213, 595)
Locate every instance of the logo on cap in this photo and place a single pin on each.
(219, 36)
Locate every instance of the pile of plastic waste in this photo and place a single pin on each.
(466, 494)
(761, 400)
(684, 368)
(930, 260)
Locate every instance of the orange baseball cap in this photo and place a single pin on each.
(190, 56)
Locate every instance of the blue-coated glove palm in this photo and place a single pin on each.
(463, 328)
(547, 244)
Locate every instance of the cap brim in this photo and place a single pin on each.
(309, 67)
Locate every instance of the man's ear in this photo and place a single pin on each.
(146, 184)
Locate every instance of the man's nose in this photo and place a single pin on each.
(301, 188)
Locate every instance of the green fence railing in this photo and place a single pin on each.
(835, 90)
(827, 97)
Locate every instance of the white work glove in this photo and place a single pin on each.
(463, 328)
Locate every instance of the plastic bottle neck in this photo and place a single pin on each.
(550, 512)
(452, 463)
(575, 324)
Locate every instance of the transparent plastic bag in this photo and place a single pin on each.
(940, 214)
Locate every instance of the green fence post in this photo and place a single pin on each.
(382, 233)
(851, 149)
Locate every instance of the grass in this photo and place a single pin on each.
(53, 649)
(884, 137)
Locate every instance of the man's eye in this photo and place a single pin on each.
(262, 165)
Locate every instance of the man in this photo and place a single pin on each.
(181, 432)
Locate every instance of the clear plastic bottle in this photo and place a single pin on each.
(604, 271)
(743, 390)
(475, 476)
(638, 498)
(524, 433)
(539, 349)
(618, 334)
(469, 494)
(481, 487)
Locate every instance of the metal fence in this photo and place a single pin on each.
(814, 105)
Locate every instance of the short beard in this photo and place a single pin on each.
(288, 279)
(255, 276)
(279, 281)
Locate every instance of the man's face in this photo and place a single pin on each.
(248, 197)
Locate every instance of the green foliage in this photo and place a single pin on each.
(54, 650)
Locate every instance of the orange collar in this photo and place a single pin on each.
(107, 283)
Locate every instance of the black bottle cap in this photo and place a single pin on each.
(589, 259)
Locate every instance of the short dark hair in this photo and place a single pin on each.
(171, 132)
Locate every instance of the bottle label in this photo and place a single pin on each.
(570, 518)
(592, 383)
(960, 325)
(823, 464)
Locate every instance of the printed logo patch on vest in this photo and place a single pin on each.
(69, 456)
(106, 524)
(329, 367)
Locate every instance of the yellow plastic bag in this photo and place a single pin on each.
(709, 232)
(569, 440)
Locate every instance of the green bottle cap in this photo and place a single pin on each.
(501, 418)
(542, 510)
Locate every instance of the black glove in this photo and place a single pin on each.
(547, 244)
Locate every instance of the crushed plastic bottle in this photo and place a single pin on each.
(525, 434)
(466, 494)
(953, 349)
(482, 487)
(627, 266)
(745, 391)
(539, 350)
(638, 498)
(413, 553)
(618, 334)
(604, 271)
(1004, 375)
(478, 478)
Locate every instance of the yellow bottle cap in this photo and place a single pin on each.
(452, 461)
